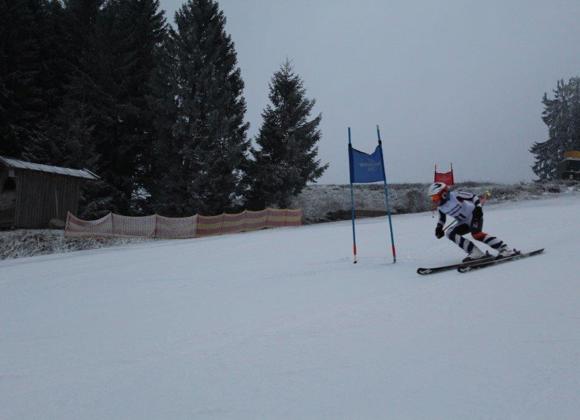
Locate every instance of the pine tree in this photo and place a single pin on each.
(53, 74)
(146, 41)
(104, 122)
(85, 115)
(210, 133)
(129, 32)
(20, 96)
(562, 117)
(287, 158)
(162, 171)
(79, 120)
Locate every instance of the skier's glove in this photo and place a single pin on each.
(439, 232)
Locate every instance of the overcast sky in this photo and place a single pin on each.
(456, 81)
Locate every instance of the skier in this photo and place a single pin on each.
(465, 207)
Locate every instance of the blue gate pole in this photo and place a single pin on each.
(394, 251)
(350, 163)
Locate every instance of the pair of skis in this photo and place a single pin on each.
(479, 263)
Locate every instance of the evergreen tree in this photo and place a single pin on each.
(20, 95)
(52, 58)
(101, 84)
(51, 79)
(129, 32)
(86, 115)
(83, 114)
(105, 123)
(210, 133)
(163, 166)
(287, 158)
(562, 116)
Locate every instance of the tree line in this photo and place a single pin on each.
(156, 110)
(562, 117)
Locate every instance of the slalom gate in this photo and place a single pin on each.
(156, 226)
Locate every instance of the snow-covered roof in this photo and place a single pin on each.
(20, 164)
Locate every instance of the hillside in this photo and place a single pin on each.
(333, 202)
(280, 324)
(320, 203)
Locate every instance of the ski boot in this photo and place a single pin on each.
(475, 254)
(506, 251)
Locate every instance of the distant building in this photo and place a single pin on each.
(569, 167)
(35, 196)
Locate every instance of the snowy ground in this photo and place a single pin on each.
(280, 324)
(28, 243)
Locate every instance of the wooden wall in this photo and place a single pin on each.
(41, 197)
(569, 169)
(7, 201)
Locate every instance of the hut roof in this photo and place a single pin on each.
(37, 167)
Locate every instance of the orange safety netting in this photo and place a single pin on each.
(247, 220)
(156, 226)
(176, 227)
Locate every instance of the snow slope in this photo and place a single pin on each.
(280, 324)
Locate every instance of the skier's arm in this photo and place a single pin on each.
(442, 219)
(439, 232)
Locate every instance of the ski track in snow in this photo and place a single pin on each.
(279, 324)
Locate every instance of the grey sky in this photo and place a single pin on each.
(456, 81)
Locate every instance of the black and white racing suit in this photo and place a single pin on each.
(462, 206)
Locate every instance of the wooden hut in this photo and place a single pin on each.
(569, 167)
(35, 196)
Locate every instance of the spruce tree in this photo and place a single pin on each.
(36, 71)
(105, 123)
(287, 156)
(162, 172)
(210, 132)
(562, 117)
(85, 115)
(51, 79)
(81, 108)
(20, 95)
(129, 32)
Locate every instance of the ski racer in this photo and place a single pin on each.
(466, 208)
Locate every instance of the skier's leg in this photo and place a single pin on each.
(455, 235)
(491, 241)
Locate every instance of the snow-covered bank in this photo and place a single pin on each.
(320, 203)
(28, 243)
(279, 324)
(333, 202)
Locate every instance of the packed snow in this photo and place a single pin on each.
(280, 324)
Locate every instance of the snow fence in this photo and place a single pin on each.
(196, 226)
